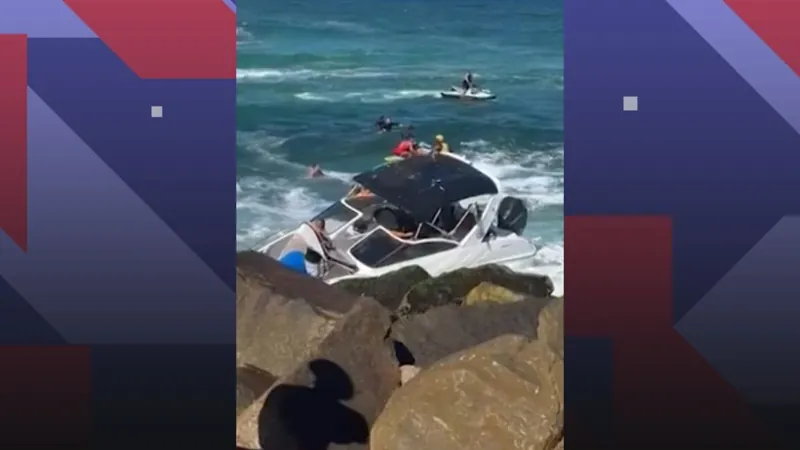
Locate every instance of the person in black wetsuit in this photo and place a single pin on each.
(384, 124)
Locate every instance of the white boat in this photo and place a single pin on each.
(457, 214)
(472, 94)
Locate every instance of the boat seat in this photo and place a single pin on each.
(448, 218)
(465, 226)
(428, 231)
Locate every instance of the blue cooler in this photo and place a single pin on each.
(294, 260)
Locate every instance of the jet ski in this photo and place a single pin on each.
(472, 94)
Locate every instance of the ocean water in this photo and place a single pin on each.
(314, 75)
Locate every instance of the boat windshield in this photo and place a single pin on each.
(336, 216)
(381, 249)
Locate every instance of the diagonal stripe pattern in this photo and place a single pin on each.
(126, 239)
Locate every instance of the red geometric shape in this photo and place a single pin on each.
(776, 23)
(45, 397)
(665, 395)
(14, 137)
(597, 250)
(166, 39)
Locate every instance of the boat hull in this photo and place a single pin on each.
(461, 95)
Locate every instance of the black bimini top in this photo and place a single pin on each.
(422, 185)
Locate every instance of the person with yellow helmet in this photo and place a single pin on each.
(439, 145)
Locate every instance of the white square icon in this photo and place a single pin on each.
(156, 112)
(630, 103)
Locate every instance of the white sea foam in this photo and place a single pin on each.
(323, 25)
(374, 96)
(241, 32)
(536, 177)
(278, 75)
(339, 25)
(259, 142)
(549, 261)
(264, 207)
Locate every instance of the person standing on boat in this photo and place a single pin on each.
(312, 262)
(318, 226)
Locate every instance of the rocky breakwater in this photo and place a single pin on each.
(507, 393)
(332, 369)
(437, 317)
(471, 359)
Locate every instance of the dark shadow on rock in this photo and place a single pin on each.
(312, 418)
(403, 354)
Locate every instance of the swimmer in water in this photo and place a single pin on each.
(315, 171)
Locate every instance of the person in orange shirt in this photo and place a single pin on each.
(406, 149)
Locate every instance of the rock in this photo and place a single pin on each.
(250, 279)
(505, 394)
(251, 383)
(445, 330)
(331, 399)
(407, 373)
(452, 287)
(488, 292)
(550, 327)
(388, 289)
(282, 316)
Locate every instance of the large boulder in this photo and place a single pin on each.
(388, 289)
(251, 383)
(453, 287)
(282, 316)
(250, 274)
(505, 394)
(445, 330)
(331, 397)
(550, 327)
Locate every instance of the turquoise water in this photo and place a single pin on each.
(314, 75)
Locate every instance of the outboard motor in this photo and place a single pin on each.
(512, 215)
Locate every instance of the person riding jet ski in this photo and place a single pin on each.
(467, 83)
